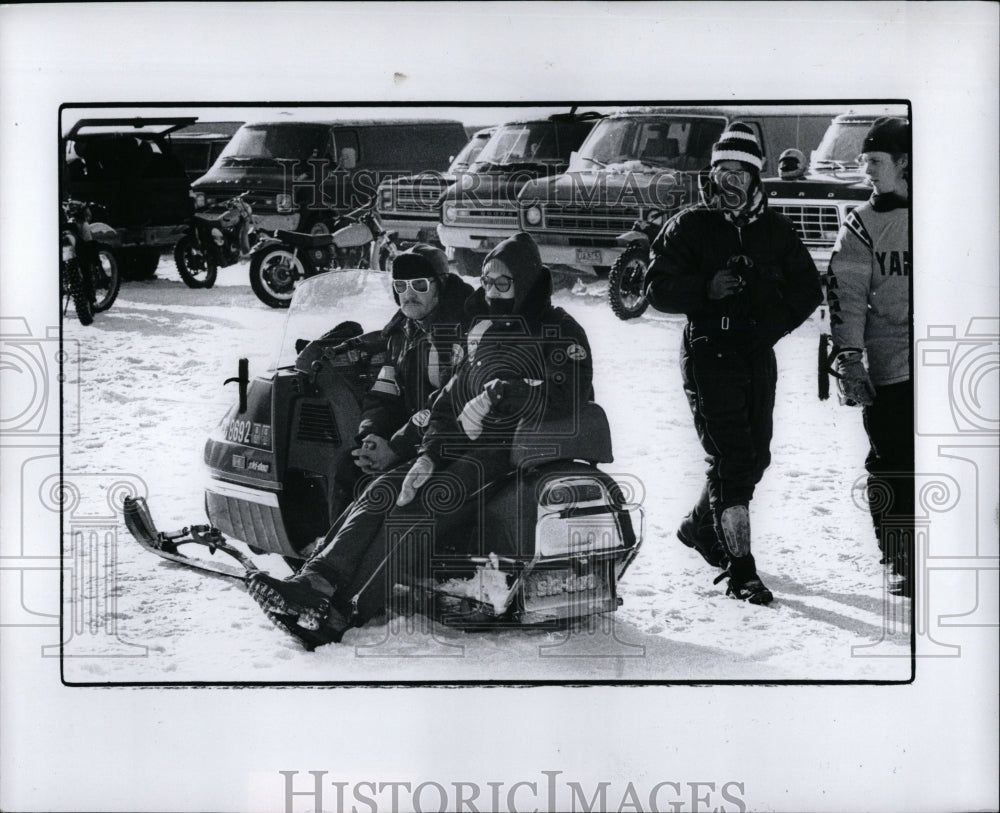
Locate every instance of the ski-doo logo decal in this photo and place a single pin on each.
(554, 585)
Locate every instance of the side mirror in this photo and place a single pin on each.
(348, 158)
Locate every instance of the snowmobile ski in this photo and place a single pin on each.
(140, 524)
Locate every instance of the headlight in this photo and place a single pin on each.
(67, 243)
(283, 202)
(533, 216)
(199, 200)
(448, 213)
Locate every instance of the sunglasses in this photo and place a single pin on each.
(421, 285)
(501, 283)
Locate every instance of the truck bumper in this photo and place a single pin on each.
(481, 240)
(411, 229)
(582, 259)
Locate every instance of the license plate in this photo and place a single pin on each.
(589, 256)
(566, 593)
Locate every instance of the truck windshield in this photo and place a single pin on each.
(262, 144)
(521, 143)
(667, 142)
(470, 152)
(841, 145)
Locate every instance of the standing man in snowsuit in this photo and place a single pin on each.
(524, 361)
(869, 294)
(423, 340)
(742, 276)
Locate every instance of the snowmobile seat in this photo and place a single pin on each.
(582, 436)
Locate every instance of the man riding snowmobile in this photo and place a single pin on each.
(423, 339)
(524, 361)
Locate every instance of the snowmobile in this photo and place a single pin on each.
(560, 532)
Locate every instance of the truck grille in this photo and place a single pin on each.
(503, 217)
(419, 197)
(816, 225)
(316, 424)
(599, 219)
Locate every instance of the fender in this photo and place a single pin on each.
(632, 237)
(105, 235)
(265, 243)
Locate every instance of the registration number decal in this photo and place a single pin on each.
(248, 433)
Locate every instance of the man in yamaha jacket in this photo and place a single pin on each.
(742, 276)
(869, 293)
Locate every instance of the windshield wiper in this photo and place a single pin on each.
(601, 164)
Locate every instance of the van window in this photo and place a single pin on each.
(261, 144)
(521, 143)
(677, 142)
(402, 146)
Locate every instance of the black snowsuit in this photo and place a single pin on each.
(543, 344)
(419, 361)
(727, 362)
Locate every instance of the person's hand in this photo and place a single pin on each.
(475, 411)
(724, 283)
(415, 479)
(853, 382)
(374, 455)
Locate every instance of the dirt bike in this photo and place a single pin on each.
(215, 241)
(559, 532)
(357, 241)
(626, 276)
(88, 267)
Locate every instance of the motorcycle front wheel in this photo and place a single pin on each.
(72, 285)
(625, 283)
(272, 276)
(106, 280)
(193, 264)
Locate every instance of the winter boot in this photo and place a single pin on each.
(702, 538)
(300, 606)
(328, 629)
(744, 583)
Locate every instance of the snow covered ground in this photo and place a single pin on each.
(151, 389)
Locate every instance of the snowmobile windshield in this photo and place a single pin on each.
(322, 302)
(264, 144)
(660, 142)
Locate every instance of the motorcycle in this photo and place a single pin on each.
(627, 274)
(558, 533)
(215, 241)
(277, 263)
(88, 266)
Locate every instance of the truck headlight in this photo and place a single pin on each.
(533, 216)
(448, 213)
(199, 200)
(283, 202)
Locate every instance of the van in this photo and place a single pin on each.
(199, 146)
(411, 206)
(835, 183)
(480, 209)
(301, 175)
(642, 159)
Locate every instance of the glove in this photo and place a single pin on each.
(724, 283)
(853, 382)
(475, 411)
(419, 473)
(374, 455)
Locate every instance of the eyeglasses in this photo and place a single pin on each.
(421, 285)
(501, 283)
